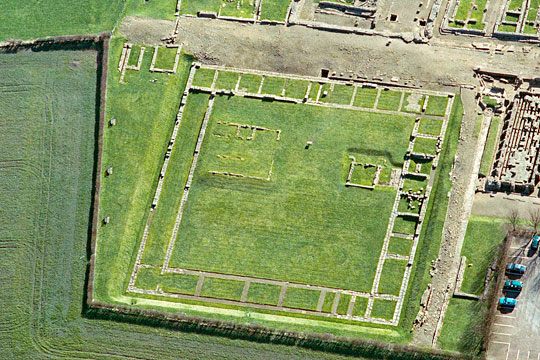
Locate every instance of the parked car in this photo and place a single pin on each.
(512, 286)
(516, 269)
(507, 302)
(535, 242)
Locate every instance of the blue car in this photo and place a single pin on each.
(536, 240)
(507, 302)
(514, 286)
(516, 269)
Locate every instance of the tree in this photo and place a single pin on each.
(534, 218)
(513, 218)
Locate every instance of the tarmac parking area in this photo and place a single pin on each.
(516, 333)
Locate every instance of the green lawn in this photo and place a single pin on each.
(392, 276)
(365, 97)
(436, 105)
(204, 77)
(383, 309)
(425, 146)
(263, 293)
(49, 123)
(404, 225)
(430, 126)
(226, 80)
(342, 94)
(273, 85)
(296, 88)
(250, 209)
(165, 58)
(237, 8)
(389, 100)
(480, 246)
(463, 9)
(245, 209)
(515, 4)
(250, 82)
(491, 145)
(463, 325)
(222, 288)
(507, 28)
(301, 298)
(360, 306)
(38, 19)
(274, 9)
(399, 246)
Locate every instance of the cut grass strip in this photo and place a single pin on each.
(430, 126)
(301, 298)
(326, 90)
(342, 94)
(365, 97)
(204, 77)
(383, 309)
(328, 302)
(389, 100)
(134, 55)
(343, 305)
(250, 82)
(425, 146)
(315, 86)
(260, 293)
(392, 276)
(165, 58)
(360, 306)
(226, 80)
(491, 144)
(404, 225)
(399, 246)
(273, 85)
(222, 288)
(436, 105)
(296, 88)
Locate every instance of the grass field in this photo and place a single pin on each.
(491, 146)
(34, 19)
(246, 209)
(482, 239)
(46, 167)
(223, 215)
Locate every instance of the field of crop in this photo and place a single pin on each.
(46, 165)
